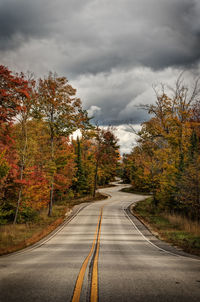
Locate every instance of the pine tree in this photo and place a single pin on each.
(80, 185)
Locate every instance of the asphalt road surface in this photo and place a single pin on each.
(103, 254)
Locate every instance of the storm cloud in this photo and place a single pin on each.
(97, 36)
(111, 51)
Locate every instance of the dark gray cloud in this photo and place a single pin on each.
(111, 50)
(99, 35)
(119, 94)
(21, 20)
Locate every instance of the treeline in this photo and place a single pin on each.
(39, 163)
(166, 160)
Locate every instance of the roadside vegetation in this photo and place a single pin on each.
(166, 163)
(134, 191)
(173, 228)
(18, 236)
(43, 170)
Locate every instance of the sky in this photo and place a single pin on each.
(111, 51)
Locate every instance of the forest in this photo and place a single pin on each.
(40, 162)
(166, 160)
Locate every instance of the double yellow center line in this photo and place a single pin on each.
(94, 282)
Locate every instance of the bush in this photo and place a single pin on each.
(7, 213)
(27, 214)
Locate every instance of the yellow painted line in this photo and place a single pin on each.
(94, 285)
(79, 281)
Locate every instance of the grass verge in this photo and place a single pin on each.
(19, 236)
(107, 186)
(175, 229)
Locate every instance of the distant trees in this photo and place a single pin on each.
(166, 160)
(39, 163)
(100, 160)
(106, 157)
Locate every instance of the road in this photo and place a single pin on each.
(103, 254)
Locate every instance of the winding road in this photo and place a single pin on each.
(103, 254)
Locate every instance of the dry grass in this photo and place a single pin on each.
(184, 223)
(12, 233)
(173, 228)
(16, 237)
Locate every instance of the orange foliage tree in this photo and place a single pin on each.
(166, 160)
(62, 111)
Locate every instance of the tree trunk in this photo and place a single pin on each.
(51, 198)
(18, 204)
(52, 158)
(24, 133)
(95, 176)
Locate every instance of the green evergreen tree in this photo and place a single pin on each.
(193, 150)
(80, 185)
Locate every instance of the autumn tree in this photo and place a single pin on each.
(35, 184)
(62, 111)
(13, 89)
(65, 167)
(106, 157)
(39, 162)
(167, 145)
(26, 102)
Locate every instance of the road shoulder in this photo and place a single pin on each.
(63, 221)
(152, 237)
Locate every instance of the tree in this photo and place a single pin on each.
(106, 155)
(26, 102)
(34, 184)
(65, 167)
(62, 111)
(166, 159)
(80, 183)
(14, 89)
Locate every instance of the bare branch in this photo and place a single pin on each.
(133, 129)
